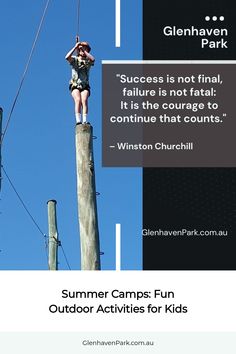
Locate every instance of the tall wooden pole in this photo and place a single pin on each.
(53, 236)
(86, 193)
(1, 112)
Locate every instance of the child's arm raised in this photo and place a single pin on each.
(69, 54)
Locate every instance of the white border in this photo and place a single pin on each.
(118, 253)
(25, 298)
(168, 61)
(117, 36)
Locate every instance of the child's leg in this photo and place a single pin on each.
(77, 98)
(84, 101)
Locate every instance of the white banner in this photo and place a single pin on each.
(137, 301)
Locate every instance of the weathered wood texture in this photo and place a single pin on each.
(87, 204)
(53, 236)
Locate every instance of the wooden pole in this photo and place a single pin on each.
(1, 112)
(86, 193)
(53, 236)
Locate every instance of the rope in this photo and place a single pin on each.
(59, 244)
(34, 221)
(64, 254)
(78, 13)
(8, 121)
(25, 71)
(23, 204)
(27, 210)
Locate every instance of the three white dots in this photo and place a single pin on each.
(214, 18)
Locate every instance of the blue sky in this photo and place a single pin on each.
(39, 151)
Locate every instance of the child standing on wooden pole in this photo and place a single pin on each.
(79, 83)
